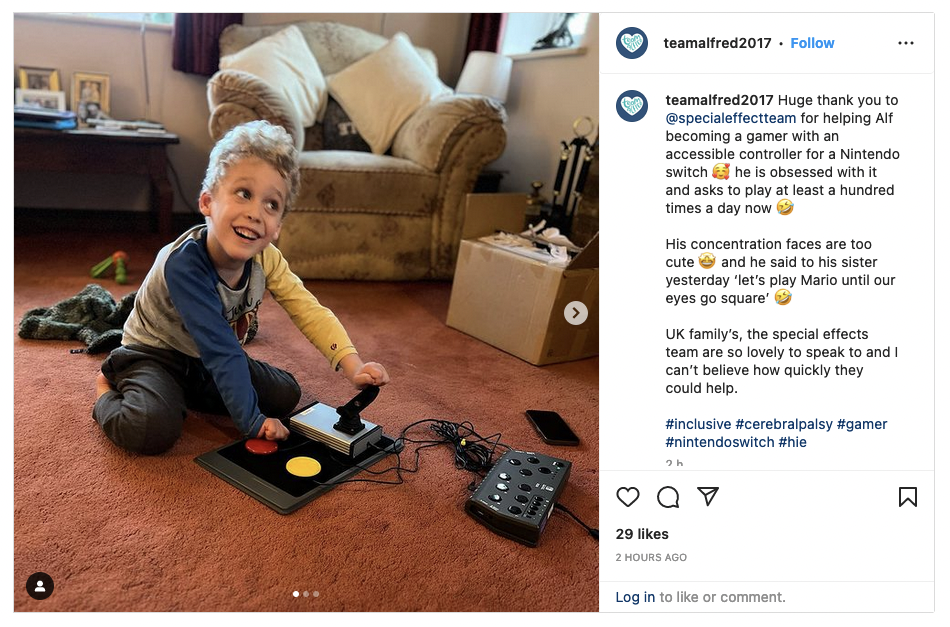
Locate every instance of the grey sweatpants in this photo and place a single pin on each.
(155, 387)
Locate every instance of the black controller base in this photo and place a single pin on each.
(518, 495)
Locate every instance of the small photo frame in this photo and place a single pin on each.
(38, 78)
(43, 98)
(90, 95)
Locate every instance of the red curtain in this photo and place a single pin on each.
(484, 32)
(195, 42)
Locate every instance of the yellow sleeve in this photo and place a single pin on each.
(315, 321)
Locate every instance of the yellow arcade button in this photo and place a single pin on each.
(303, 467)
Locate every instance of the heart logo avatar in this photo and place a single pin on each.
(628, 496)
(632, 105)
(632, 42)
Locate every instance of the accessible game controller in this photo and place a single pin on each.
(316, 457)
(517, 496)
(342, 429)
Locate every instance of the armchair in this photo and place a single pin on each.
(396, 216)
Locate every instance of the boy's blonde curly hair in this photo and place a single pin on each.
(268, 142)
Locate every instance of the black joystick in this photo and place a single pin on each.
(350, 421)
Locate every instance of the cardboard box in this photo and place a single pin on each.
(516, 303)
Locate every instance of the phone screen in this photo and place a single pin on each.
(552, 427)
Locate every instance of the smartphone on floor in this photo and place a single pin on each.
(552, 428)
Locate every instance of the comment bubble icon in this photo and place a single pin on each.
(668, 497)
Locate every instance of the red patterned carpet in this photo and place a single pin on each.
(118, 532)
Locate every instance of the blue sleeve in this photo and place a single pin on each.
(192, 286)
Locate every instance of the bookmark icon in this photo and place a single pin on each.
(907, 495)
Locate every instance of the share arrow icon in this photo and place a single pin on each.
(709, 494)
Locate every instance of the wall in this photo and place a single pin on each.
(545, 97)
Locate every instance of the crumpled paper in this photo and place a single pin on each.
(550, 234)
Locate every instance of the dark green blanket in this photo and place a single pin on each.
(92, 316)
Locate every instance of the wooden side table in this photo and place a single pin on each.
(86, 151)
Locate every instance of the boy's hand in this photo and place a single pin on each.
(273, 429)
(371, 374)
(360, 374)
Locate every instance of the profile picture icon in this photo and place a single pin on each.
(632, 106)
(632, 42)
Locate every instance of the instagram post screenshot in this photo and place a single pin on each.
(308, 313)
(774, 451)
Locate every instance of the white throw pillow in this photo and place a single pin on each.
(284, 61)
(380, 91)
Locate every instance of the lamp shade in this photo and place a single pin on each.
(485, 74)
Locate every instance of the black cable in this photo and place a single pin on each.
(469, 451)
(184, 198)
(594, 533)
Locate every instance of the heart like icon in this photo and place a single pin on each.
(628, 496)
(632, 105)
(632, 42)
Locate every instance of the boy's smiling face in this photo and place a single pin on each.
(244, 212)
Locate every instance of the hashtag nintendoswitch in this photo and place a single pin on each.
(672, 442)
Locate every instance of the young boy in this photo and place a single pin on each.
(182, 344)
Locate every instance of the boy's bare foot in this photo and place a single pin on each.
(102, 385)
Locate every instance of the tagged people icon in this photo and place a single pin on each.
(39, 586)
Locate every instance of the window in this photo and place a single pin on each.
(125, 18)
(534, 32)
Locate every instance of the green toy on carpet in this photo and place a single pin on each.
(120, 258)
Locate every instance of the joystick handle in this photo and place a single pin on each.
(350, 413)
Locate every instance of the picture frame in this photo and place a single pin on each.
(43, 98)
(90, 95)
(38, 78)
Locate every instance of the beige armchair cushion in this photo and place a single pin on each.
(236, 97)
(382, 90)
(430, 133)
(343, 181)
(284, 62)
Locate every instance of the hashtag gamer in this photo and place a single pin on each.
(858, 425)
